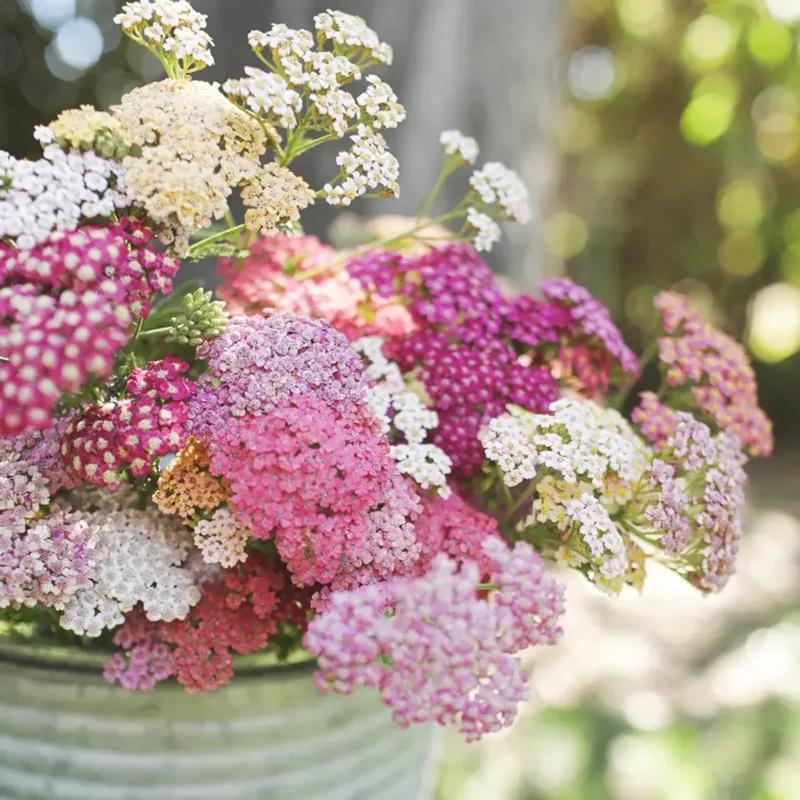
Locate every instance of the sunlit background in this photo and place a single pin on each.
(677, 140)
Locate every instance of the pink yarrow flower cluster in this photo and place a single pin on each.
(67, 305)
(258, 361)
(272, 276)
(434, 650)
(717, 371)
(49, 563)
(322, 483)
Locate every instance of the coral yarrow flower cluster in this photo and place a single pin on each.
(373, 455)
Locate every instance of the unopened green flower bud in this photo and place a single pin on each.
(201, 318)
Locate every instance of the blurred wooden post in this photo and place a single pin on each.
(489, 68)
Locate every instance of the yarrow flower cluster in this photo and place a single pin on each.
(406, 419)
(371, 455)
(131, 433)
(581, 461)
(171, 28)
(692, 502)
(138, 558)
(67, 305)
(269, 278)
(717, 370)
(442, 654)
(57, 192)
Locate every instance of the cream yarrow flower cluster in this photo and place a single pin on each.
(404, 418)
(275, 196)
(170, 29)
(195, 146)
(86, 128)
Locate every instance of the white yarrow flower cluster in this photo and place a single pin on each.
(402, 412)
(455, 142)
(222, 539)
(486, 230)
(598, 531)
(57, 192)
(580, 440)
(139, 556)
(170, 26)
(351, 32)
(367, 165)
(498, 186)
(380, 102)
(267, 94)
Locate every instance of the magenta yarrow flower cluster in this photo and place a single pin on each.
(132, 432)
(68, 304)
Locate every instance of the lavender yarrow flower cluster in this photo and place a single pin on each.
(693, 502)
(442, 654)
(139, 557)
(405, 419)
(56, 193)
(49, 564)
(256, 362)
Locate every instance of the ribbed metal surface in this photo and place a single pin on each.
(67, 735)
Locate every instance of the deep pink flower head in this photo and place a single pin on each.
(450, 288)
(258, 361)
(592, 349)
(66, 307)
(469, 385)
(322, 483)
(442, 653)
(132, 432)
(455, 528)
(271, 277)
(717, 370)
(48, 563)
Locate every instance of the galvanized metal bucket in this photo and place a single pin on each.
(65, 734)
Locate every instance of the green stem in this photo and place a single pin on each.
(526, 495)
(488, 587)
(226, 234)
(156, 332)
(428, 202)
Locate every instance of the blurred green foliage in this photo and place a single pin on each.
(587, 753)
(681, 165)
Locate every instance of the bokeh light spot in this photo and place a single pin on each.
(769, 42)
(565, 234)
(778, 137)
(741, 254)
(707, 117)
(591, 73)
(784, 10)
(709, 42)
(79, 43)
(740, 204)
(51, 14)
(643, 18)
(774, 325)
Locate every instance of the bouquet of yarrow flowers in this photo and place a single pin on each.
(375, 457)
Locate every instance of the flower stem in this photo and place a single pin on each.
(226, 234)
(488, 587)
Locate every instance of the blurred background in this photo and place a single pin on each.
(660, 140)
